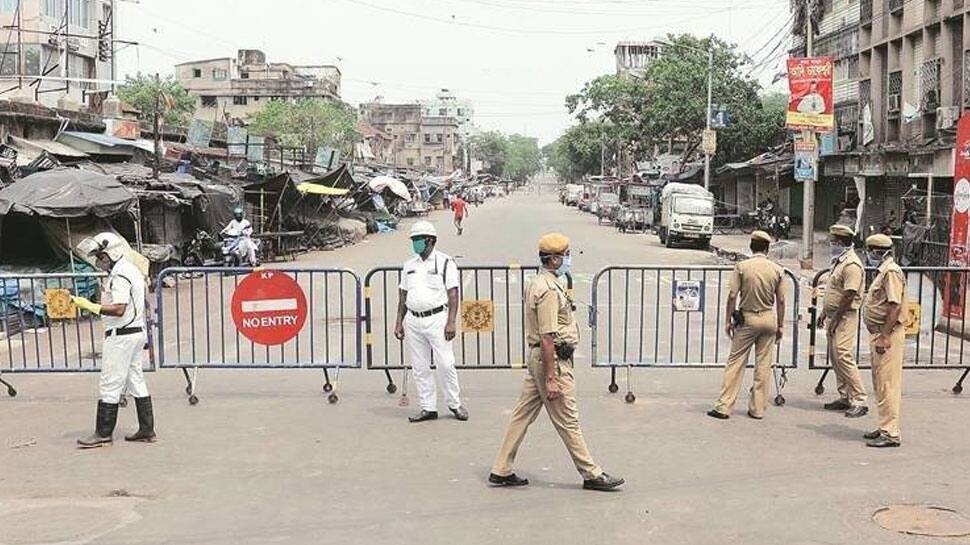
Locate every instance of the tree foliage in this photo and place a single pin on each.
(577, 152)
(510, 156)
(668, 100)
(142, 91)
(307, 123)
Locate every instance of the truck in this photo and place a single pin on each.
(686, 215)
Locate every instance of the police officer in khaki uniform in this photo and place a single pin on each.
(755, 317)
(840, 318)
(552, 334)
(883, 316)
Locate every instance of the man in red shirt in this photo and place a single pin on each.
(460, 207)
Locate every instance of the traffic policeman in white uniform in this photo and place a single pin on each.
(125, 337)
(426, 313)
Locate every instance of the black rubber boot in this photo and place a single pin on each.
(146, 421)
(104, 426)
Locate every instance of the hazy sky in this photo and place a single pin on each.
(515, 59)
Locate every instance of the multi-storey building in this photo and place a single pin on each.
(900, 86)
(633, 57)
(228, 89)
(68, 42)
(417, 141)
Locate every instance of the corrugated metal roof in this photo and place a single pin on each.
(34, 147)
(112, 141)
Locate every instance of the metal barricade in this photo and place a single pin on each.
(673, 317)
(499, 287)
(32, 342)
(938, 341)
(196, 329)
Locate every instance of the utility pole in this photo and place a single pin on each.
(155, 128)
(808, 189)
(710, 96)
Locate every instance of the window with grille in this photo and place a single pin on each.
(966, 78)
(865, 12)
(929, 82)
(896, 6)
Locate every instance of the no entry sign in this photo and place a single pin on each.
(268, 307)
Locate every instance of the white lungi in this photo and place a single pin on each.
(424, 338)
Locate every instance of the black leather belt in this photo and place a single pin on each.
(122, 331)
(427, 313)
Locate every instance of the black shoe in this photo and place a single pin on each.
(603, 483)
(754, 417)
(461, 413)
(720, 416)
(146, 421)
(423, 415)
(872, 434)
(857, 412)
(104, 426)
(884, 440)
(508, 480)
(838, 405)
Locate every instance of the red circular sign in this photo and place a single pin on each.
(268, 307)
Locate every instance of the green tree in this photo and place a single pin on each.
(307, 123)
(523, 158)
(668, 100)
(507, 156)
(144, 92)
(491, 147)
(577, 152)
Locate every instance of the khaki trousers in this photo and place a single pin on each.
(887, 380)
(562, 412)
(758, 331)
(842, 346)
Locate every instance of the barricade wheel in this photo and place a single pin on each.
(819, 390)
(193, 400)
(779, 400)
(391, 388)
(327, 387)
(333, 399)
(123, 402)
(958, 389)
(630, 398)
(614, 388)
(11, 392)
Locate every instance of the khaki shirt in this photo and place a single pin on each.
(756, 279)
(847, 274)
(889, 286)
(548, 310)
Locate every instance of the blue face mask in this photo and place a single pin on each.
(874, 259)
(567, 263)
(419, 245)
(837, 251)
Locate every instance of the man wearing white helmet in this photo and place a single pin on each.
(123, 317)
(426, 312)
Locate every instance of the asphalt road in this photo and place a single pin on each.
(264, 458)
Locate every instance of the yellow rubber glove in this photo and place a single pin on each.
(84, 304)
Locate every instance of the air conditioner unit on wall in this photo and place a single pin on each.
(894, 104)
(946, 117)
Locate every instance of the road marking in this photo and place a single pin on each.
(269, 305)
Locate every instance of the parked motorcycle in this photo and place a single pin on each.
(202, 251)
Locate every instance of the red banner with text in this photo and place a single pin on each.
(955, 292)
(810, 105)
